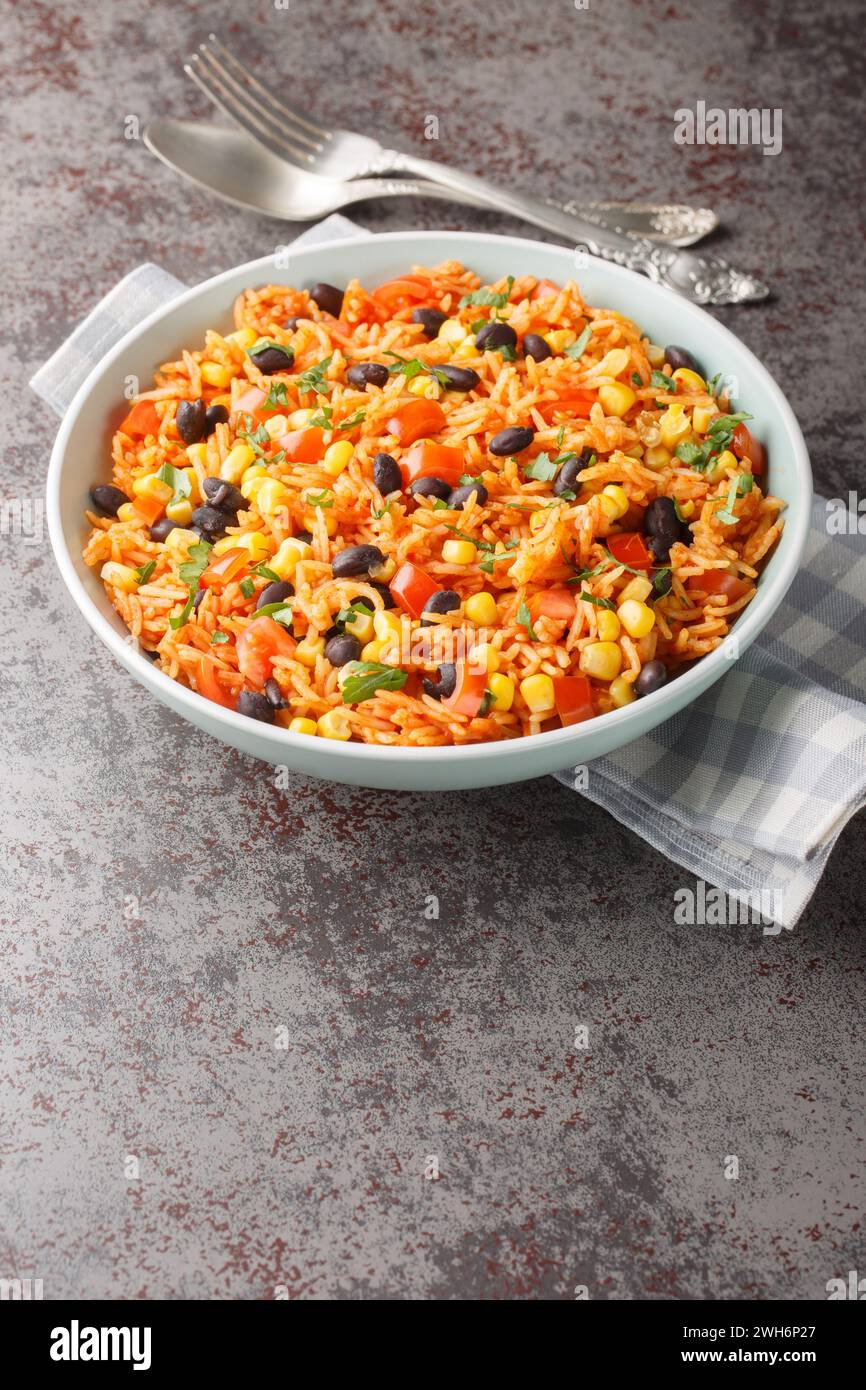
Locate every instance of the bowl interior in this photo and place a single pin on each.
(82, 452)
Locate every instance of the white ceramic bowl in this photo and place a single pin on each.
(82, 450)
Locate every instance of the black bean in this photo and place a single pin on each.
(384, 593)
(457, 378)
(431, 487)
(162, 528)
(496, 335)
(224, 495)
(273, 359)
(460, 496)
(566, 478)
(291, 325)
(274, 593)
(356, 559)
(652, 677)
(511, 441)
(342, 648)
(274, 694)
(681, 357)
(446, 601)
(367, 374)
(445, 686)
(535, 346)
(386, 474)
(305, 536)
(151, 655)
(210, 522)
(663, 527)
(431, 320)
(255, 706)
(107, 499)
(190, 420)
(328, 298)
(214, 415)
(197, 601)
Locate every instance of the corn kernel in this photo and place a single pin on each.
(335, 724)
(256, 542)
(537, 692)
(637, 588)
(308, 650)
(126, 512)
(178, 542)
(721, 466)
(619, 497)
(637, 618)
(702, 417)
(361, 626)
(276, 426)
(337, 457)
(481, 609)
(311, 517)
(459, 553)
(608, 625)
(288, 555)
(674, 425)
(659, 457)
(451, 333)
(271, 496)
(466, 349)
(236, 462)
(251, 482)
(538, 518)
(151, 485)
(616, 399)
(197, 454)
(558, 339)
(687, 509)
(692, 383)
(120, 576)
(502, 690)
(304, 726)
(485, 657)
(614, 362)
(215, 374)
(603, 660)
(426, 386)
(372, 651)
(386, 623)
(655, 355)
(244, 337)
(181, 512)
(299, 419)
(622, 692)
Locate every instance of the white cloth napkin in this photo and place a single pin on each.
(748, 787)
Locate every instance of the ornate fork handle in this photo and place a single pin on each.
(701, 278)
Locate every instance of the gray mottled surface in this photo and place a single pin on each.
(166, 910)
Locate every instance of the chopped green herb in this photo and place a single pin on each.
(348, 615)
(247, 587)
(614, 561)
(190, 572)
(321, 499)
(560, 435)
(466, 478)
(143, 574)
(578, 348)
(636, 379)
(738, 488)
(323, 418)
(440, 505)
(356, 419)
(477, 326)
(719, 437)
(262, 343)
(280, 612)
(277, 396)
(488, 297)
(256, 438)
(378, 512)
(524, 618)
(219, 637)
(542, 468)
(313, 379)
(409, 367)
(660, 381)
(586, 597)
(178, 481)
(262, 570)
(487, 702)
(368, 677)
(506, 352)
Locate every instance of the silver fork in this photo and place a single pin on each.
(345, 154)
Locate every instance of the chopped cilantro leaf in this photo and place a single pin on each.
(578, 348)
(524, 618)
(366, 678)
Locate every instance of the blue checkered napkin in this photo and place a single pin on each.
(749, 787)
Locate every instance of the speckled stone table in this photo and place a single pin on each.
(236, 1046)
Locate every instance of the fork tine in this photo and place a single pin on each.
(284, 126)
(266, 91)
(216, 92)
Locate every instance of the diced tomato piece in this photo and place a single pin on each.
(143, 419)
(208, 683)
(544, 289)
(630, 548)
(416, 418)
(558, 604)
(149, 508)
(411, 587)
(573, 696)
(252, 402)
(746, 446)
(224, 569)
(399, 294)
(468, 693)
(575, 404)
(718, 582)
(304, 446)
(259, 643)
(430, 460)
